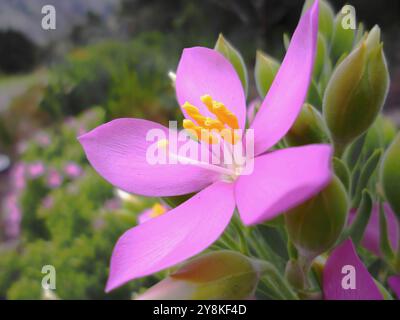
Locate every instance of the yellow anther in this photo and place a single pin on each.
(157, 210)
(194, 113)
(200, 132)
(188, 124)
(213, 124)
(191, 109)
(162, 143)
(208, 102)
(224, 115)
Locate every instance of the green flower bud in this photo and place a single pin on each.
(373, 140)
(322, 61)
(390, 175)
(387, 128)
(356, 91)
(343, 39)
(308, 128)
(233, 55)
(315, 225)
(264, 72)
(216, 275)
(326, 17)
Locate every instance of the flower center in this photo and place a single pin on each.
(208, 129)
(221, 133)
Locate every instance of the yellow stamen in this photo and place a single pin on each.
(199, 132)
(213, 124)
(208, 102)
(224, 117)
(194, 113)
(157, 210)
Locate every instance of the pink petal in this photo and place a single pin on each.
(394, 283)
(283, 102)
(281, 180)
(370, 240)
(334, 272)
(173, 237)
(117, 151)
(206, 71)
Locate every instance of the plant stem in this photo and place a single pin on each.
(282, 285)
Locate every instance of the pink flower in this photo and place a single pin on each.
(54, 179)
(281, 179)
(359, 284)
(72, 170)
(371, 237)
(36, 170)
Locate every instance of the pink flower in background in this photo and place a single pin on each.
(281, 179)
(43, 139)
(112, 204)
(21, 147)
(370, 240)
(18, 176)
(12, 216)
(363, 286)
(73, 170)
(155, 211)
(394, 283)
(36, 170)
(54, 179)
(48, 202)
(82, 130)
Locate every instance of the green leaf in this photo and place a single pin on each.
(384, 243)
(224, 47)
(385, 293)
(326, 17)
(366, 174)
(321, 57)
(353, 153)
(342, 172)
(314, 97)
(390, 174)
(264, 72)
(286, 41)
(357, 229)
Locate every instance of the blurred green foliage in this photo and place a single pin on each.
(126, 78)
(75, 233)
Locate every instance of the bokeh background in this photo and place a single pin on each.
(109, 59)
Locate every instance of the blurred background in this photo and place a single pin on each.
(108, 59)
